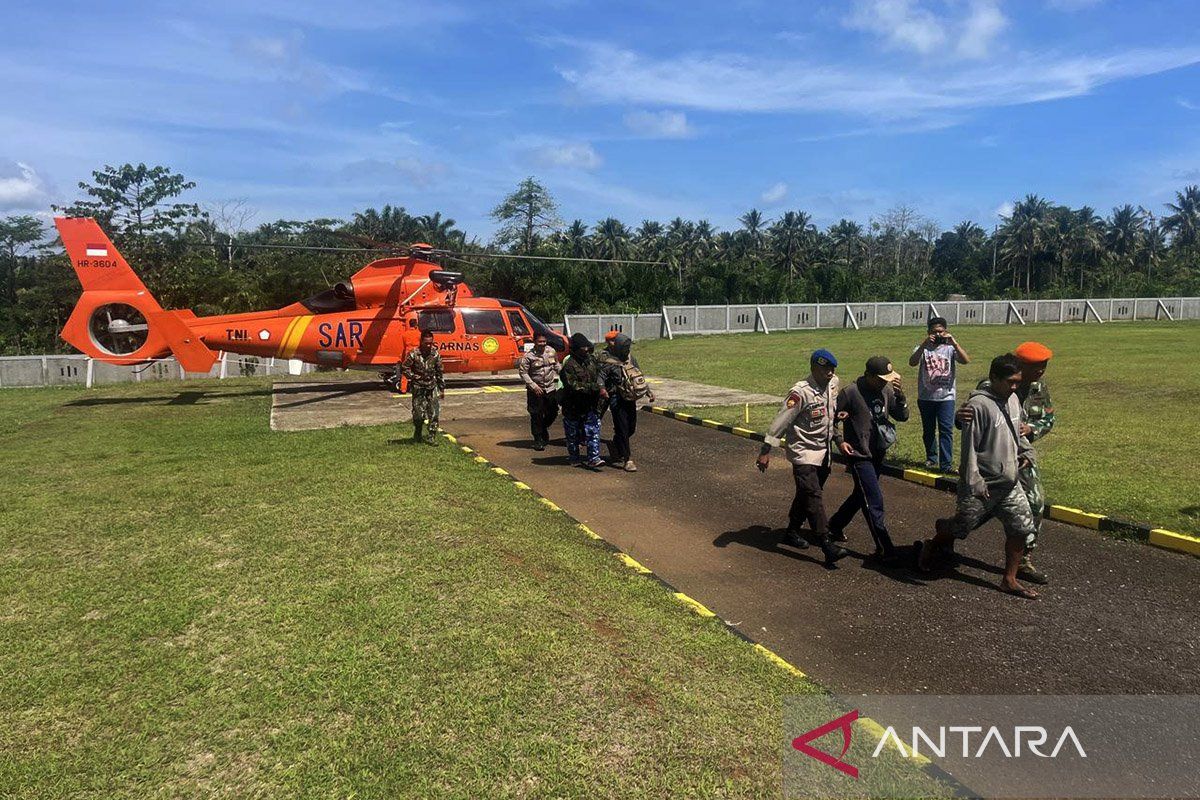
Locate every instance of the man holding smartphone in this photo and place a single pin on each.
(936, 358)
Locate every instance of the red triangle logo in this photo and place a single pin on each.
(843, 723)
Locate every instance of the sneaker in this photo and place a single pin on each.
(931, 465)
(838, 535)
(1028, 572)
(795, 539)
(617, 464)
(630, 466)
(595, 463)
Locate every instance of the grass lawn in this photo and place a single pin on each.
(1125, 399)
(193, 606)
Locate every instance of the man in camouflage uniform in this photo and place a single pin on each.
(993, 454)
(804, 429)
(423, 369)
(1037, 420)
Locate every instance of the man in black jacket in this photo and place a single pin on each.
(863, 433)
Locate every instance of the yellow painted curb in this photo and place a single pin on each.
(480, 460)
(631, 562)
(521, 485)
(1076, 516)
(591, 533)
(695, 605)
(466, 449)
(777, 661)
(500, 470)
(708, 423)
(919, 476)
(548, 503)
(745, 432)
(1161, 537)
(450, 438)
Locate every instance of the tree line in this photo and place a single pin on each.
(214, 259)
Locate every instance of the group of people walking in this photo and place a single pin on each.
(585, 387)
(997, 471)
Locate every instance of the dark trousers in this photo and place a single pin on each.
(543, 410)
(624, 420)
(867, 497)
(937, 429)
(809, 503)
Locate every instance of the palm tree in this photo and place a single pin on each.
(846, 237)
(1123, 236)
(1024, 236)
(1184, 223)
(437, 231)
(611, 239)
(790, 237)
(753, 225)
(1087, 239)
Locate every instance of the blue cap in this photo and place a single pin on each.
(823, 357)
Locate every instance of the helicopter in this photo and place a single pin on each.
(367, 322)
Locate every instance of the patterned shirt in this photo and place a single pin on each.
(1037, 409)
(424, 373)
(540, 371)
(804, 425)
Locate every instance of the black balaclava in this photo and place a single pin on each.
(621, 345)
(580, 343)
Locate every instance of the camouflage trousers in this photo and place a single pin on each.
(582, 431)
(1031, 482)
(1011, 508)
(426, 407)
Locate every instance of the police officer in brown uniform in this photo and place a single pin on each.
(804, 429)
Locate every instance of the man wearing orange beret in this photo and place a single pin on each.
(1037, 419)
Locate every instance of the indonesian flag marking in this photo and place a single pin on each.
(97, 251)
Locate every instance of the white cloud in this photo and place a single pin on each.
(907, 25)
(735, 82)
(1188, 104)
(21, 187)
(983, 24)
(902, 23)
(775, 194)
(659, 124)
(1005, 209)
(408, 171)
(572, 155)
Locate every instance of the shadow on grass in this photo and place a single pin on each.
(178, 399)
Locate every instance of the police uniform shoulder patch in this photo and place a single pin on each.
(793, 398)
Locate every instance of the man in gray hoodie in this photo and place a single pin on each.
(993, 452)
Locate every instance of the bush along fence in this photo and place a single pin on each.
(672, 321)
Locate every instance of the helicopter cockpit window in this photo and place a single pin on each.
(517, 323)
(483, 322)
(332, 300)
(439, 320)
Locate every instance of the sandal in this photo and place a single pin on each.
(1023, 592)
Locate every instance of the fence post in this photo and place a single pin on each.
(849, 316)
(1012, 309)
(761, 319)
(933, 312)
(727, 319)
(667, 323)
(1160, 307)
(89, 373)
(1095, 313)
(224, 361)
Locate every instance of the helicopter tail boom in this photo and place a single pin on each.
(117, 319)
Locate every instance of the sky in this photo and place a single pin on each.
(639, 110)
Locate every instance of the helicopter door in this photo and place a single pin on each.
(440, 322)
(491, 345)
(520, 330)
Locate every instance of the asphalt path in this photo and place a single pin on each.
(1118, 617)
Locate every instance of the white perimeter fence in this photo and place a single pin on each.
(80, 370)
(672, 321)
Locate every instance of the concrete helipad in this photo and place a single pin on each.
(330, 404)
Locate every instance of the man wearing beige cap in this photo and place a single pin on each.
(863, 433)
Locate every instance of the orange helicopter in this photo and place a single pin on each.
(367, 322)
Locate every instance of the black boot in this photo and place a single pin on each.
(795, 538)
(832, 552)
(417, 426)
